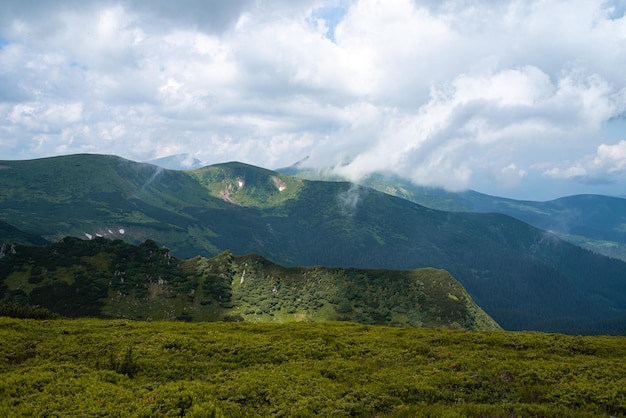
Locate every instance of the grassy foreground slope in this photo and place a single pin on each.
(93, 367)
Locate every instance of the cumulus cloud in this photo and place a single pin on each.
(486, 94)
(607, 165)
(611, 156)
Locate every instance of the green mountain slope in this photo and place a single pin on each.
(595, 222)
(523, 277)
(114, 279)
(97, 195)
(246, 185)
(10, 234)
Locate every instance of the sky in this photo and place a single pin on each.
(517, 98)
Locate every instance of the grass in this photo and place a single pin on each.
(91, 367)
(608, 248)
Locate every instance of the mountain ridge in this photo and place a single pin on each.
(114, 279)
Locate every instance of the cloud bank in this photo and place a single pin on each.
(506, 97)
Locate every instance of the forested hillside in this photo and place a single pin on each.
(593, 222)
(114, 279)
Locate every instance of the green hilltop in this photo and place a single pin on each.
(114, 279)
(97, 195)
(246, 185)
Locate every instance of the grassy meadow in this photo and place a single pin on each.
(94, 367)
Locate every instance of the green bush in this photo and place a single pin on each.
(16, 310)
(90, 367)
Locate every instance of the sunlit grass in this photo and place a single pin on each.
(93, 367)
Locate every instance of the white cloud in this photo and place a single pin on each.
(566, 173)
(481, 123)
(607, 165)
(611, 156)
(447, 93)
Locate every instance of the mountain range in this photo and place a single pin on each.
(595, 222)
(522, 276)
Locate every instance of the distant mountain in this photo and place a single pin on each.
(595, 222)
(114, 279)
(525, 278)
(178, 162)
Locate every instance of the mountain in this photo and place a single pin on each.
(592, 221)
(95, 195)
(523, 277)
(115, 279)
(595, 222)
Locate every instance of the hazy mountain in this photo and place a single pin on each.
(523, 277)
(177, 162)
(594, 222)
(114, 279)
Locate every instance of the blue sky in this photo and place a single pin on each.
(518, 98)
(331, 15)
